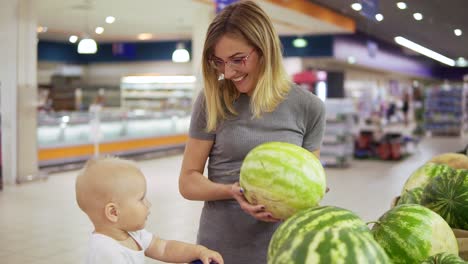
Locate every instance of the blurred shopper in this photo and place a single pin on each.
(112, 192)
(248, 99)
(405, 107)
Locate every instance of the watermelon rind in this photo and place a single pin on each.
(447, 195)
(422, 176)
(283, 177)
(410, 233)
(444, 258)
(412, 196)
(313, 220)
(331, 246)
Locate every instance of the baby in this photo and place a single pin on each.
(112, 192)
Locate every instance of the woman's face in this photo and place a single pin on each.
(238, 62)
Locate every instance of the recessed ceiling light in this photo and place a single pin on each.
(351, 60)
(379, 17)
(110, 19)
(73, 39)
(401, 5)
(41, 29)
(356, 6)
(458, 32)
(145, 36)
(99, 30)
(461, 62)
(418, 16)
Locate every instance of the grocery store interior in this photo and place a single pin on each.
(392, 75)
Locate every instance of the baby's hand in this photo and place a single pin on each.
(208, 256)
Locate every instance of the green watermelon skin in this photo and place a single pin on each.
(447, 195)
(283, 177)
(410, 233)
(291, 235)
(422, 176)
(331, 246)
(412, 196)
(444, 258)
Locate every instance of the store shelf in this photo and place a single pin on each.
(157, 93)
(338, 143)
(445, 110)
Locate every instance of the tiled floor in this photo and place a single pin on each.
(40, 222)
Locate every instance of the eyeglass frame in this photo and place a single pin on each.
(229, 62)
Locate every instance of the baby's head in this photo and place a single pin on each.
(112, 192)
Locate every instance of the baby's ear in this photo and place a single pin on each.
(111, 212)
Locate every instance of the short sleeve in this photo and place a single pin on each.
(198, 120)
(315, 124)
(144, 237)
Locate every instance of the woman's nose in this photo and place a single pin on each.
(229, 72)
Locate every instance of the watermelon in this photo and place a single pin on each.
(412, 196)
(444, 258)
(283, 177)
(423, 174)
(410, 233)
(447, 195)
(454, 160)
(324, 234)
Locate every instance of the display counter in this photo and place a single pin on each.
(65, 137)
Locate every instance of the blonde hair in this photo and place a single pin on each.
(245, 20)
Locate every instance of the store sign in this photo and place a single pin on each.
(369, 8)
(221, 4)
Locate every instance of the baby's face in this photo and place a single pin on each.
(134, 207)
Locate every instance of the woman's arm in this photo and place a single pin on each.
(193, 185)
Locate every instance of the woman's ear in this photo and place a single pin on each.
(111, 212)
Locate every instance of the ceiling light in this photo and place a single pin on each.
(87, 46)
(99, 30)
(379, 17)
(423, 50)
(180, 54)
(418, 16)
(41, 29)
(351, 60)
(458, 32)
(299, 42)
(145, 36)
(401, 5)
(73, 39)
(110, 19)
(356, 6)
(461, 62)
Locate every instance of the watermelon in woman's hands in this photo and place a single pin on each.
(283, 177)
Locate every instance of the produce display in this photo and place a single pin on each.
(284, 177)
(290, 182)
(410, 233)
(444, 258)
(324, 235)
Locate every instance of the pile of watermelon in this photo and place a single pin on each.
(290, 181)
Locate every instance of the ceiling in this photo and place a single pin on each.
(164, 19)
(435, 31)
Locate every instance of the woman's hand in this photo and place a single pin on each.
(257, 211)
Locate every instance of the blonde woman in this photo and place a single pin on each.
(248, 99)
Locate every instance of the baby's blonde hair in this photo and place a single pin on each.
(100, 181)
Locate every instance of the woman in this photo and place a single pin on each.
(248, 99)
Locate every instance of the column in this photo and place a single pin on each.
(18, 70)
(204, 14)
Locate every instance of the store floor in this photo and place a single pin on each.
(40, 222)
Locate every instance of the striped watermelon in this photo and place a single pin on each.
(325, 234)
(444, 258)
(423, 174)
(284, 177)
(447, 195)
(410, 233)
(412, 196)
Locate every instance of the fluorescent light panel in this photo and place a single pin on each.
(424, 51)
